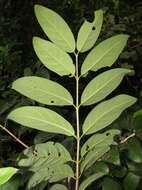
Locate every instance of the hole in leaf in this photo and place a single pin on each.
(59, 154)
(87, 148)
(49, 154)
(52, 101)
(107, 134)
(93, 28)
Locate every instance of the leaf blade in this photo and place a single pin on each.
(58, 187)
(106, 112)
(55, 28)
(6, 174)
(90, 179)
(42, 119)
(102, 85)
(89, 32)
(53, 57)
(43, 91)
(111, 49)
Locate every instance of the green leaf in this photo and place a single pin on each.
(52, 175)
(6, 174)
(42, 119)
(99, 140)
(89, 32)
(104, 54)
(12, 184)
(48, 164)
(113, 156)
(90, 179)
(58, 187)
(53, 57)
(131, 181)
(92, 156)
(138, 113)
(102, 85)
(106, 112)
(55, 28)
(134, 150)
(109, 182)
(43, 91)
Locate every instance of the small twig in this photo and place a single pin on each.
(127, 138)
(13, 136)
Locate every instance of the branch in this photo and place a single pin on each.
(127, 138)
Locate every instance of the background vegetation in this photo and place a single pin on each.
(17, 58)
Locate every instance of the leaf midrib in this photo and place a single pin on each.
(48, 122)
(105, 114)
(97, 61)
(55, 29)
(60, 97)
(99, 89)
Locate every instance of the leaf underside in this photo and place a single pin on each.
(42, 119)
(53, 57)
(104, 54)
(49, 164)
(55, 28)
(43, 91)
(102, 85)
(106, 112)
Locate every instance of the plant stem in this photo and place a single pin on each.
(14, 137)
(77, 125)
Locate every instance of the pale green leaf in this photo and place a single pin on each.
(90, 179)
(92, 156)
(104, 54)
(6, 174)
(102, 85)
(55, 28)
(58, 187)
(89, 32)
(99, 140)
(53, 57)
(53, 174)
(43, 90)
(42, 119)
(106, 112)
(48, 164)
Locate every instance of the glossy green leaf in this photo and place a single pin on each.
(12, 184)
(134, 150)
(6, 174)
(104, 54)
(92, 156)
(53, 57)
(43, 90)
(106, 112)
(99, 140)
(109, 182)
(89, 32)
(138, 113)
(42, 119)
(48, 164)
(131, 181)
(90, 180)
(102, 85)
(55, 28)
(58, 187)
